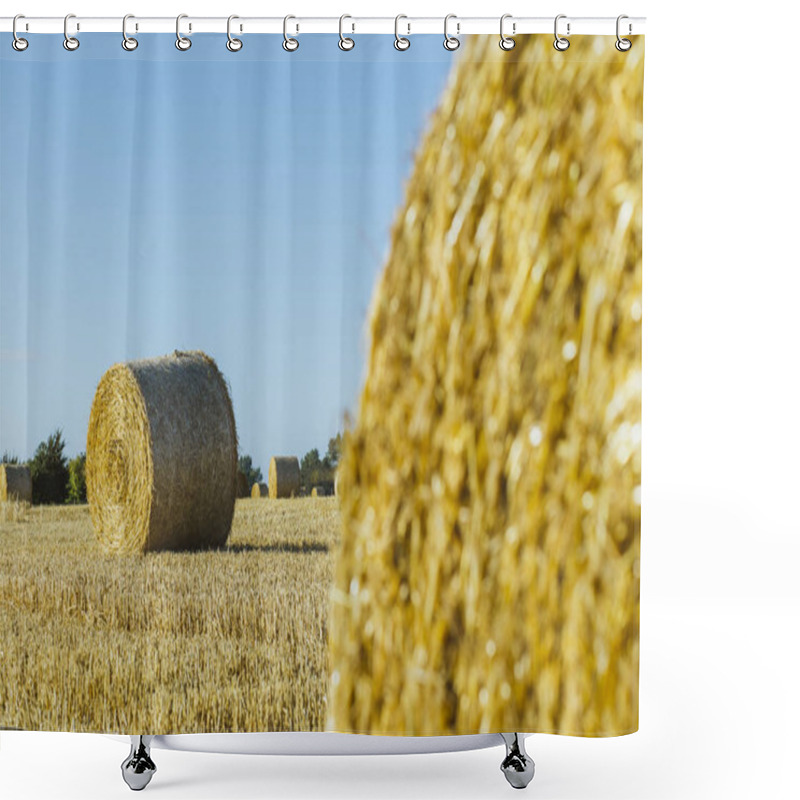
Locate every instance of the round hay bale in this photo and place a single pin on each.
(161, 455)
(242, 489)
(259, 490)
(488, 572)
(15, 483)
(284, 476)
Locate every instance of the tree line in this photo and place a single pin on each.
(55, 479)
(58, 480)
(315, 470)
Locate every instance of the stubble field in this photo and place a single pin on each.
(225, 640)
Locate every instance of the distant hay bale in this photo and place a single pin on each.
(242, 489)
(318, 491)
(15, 483)
(488, 573)
(284, 476)
(161, 465)
(259, 490)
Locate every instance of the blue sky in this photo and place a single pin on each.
(236, 203)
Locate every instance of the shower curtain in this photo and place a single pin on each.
(320, 380)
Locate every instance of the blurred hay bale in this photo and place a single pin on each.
(284, 476)
(15, 483)
(488, 576)
(259, 490)
(242, 489)
(161, 455)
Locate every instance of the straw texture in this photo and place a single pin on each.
(161, 460)
(15, 483)
(488, 576)
(284, 476)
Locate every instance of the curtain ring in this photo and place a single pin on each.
(451, 42)
(506, 42)
(18, 43)
(181, 42)
(623, 45)
(560, 43)
(70, 42)
(233, 44)
(128, 42)
(289, 44)
(400, 42)
(345, 43)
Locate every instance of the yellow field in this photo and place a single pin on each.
(227, 640)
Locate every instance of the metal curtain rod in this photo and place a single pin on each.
(407, 25)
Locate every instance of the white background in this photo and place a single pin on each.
(720, 616)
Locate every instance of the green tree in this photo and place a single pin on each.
(253, 474)
(49, 473)
(331, 460)
(76, 484)
(9, 458)
(311, 469)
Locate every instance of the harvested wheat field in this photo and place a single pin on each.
(219, 640)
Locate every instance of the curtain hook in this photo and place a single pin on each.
(506, 42)
(181, 42)
(233, 44)
(289, 44)
(18, 43)
(623, 45)
(345, 42)
(400, 42)
(70, 42)
(560, 43)
(128, 42)
(451, 42)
